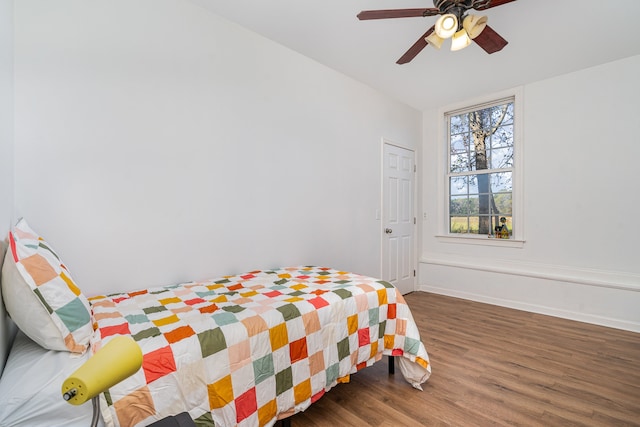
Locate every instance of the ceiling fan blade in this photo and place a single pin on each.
(490, 41)
(494, 3)
(416, 48)
(396, 13)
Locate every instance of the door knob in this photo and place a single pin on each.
(388, 230)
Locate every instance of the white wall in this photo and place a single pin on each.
(581, 199)
(157, 143)
(6, 148)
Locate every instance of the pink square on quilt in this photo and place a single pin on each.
(401, 327)
(316, 363)
(246, 404)
(311, 322)
(158, 363)
(239, 355)
(362, 302)
(255, 325)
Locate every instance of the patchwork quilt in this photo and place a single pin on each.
(250, 349)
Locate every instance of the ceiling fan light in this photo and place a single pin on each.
(460, 40)
(474, 25)
(434, 40)
(446, 25)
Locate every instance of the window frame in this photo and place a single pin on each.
(444, 235)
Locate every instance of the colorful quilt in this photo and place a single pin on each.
(250, 349)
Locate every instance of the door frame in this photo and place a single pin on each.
(414, 195)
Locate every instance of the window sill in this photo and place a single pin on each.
(481, 241)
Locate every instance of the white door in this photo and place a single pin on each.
(398, 220)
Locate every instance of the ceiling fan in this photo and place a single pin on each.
(454, 23)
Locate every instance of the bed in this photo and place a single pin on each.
(245, 349)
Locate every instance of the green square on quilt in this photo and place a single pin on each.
(222, 318)
(385, 284)
(383, 327)
(136, 318)
(343, 348)
(234, 308)
(332, 373)
(204, 420)
(206, 294)
(154, 309)
(281, 281)
(147, 333)
(221, 281)
(343, 293)
(289, 311)
(374, 316)
(74, 315)
(411, 345)
(263, 368)
(284, 381)
(212, 341)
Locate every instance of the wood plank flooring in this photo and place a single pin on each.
(494, 366)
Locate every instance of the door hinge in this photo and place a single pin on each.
(414, 168)
(414, 273)
(414, 220)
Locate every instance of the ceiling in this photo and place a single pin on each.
(546, 38)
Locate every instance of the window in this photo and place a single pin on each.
(481, 143)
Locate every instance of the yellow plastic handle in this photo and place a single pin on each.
(117, 360)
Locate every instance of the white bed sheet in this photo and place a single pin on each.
(30, 387)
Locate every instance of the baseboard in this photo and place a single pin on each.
(582, 276)
(606, 298)
(534, 308)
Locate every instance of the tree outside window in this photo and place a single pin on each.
(481, 163)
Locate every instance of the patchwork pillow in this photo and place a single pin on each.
(40, 295)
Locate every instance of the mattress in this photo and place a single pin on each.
(30, 387)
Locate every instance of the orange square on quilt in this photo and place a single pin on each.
(298, 350)
(39, 269)
(135, 407)
(179, 334)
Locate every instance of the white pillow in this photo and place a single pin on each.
(41, 296)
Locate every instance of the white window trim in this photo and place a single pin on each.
(517, 240)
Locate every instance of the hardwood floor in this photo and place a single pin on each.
(494, 366)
